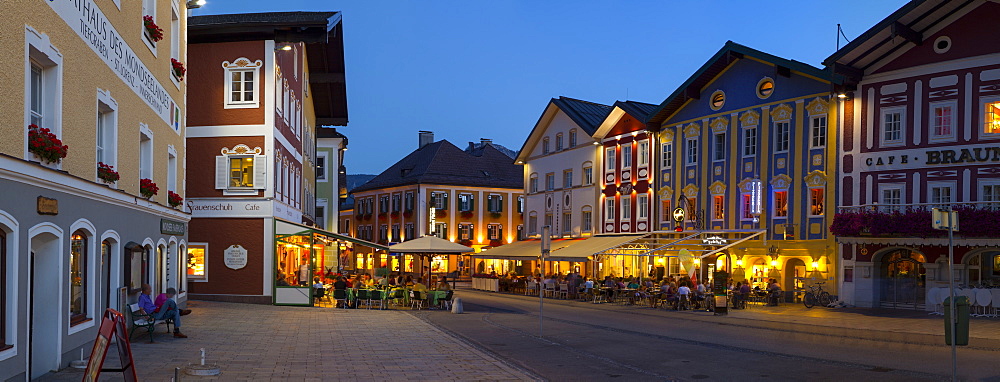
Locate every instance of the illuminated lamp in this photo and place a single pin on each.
(774, 263)
(679, 228)
(815, 265)
(697, 261)
(739, 263)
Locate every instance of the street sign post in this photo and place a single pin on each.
(948, 219)
(546, 246)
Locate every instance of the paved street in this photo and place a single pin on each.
(604, 342)
(260, 342)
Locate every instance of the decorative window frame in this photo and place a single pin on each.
(642, 214)
(782, 138)
(951, 184)
(626, 160)
(642, 152)
(38, 48)
(204, 278)
(882, 187)
(533, 183)
(260, 171)
(104, 99)
(756, 89)
(583, 173)
(986, 182)
(931, 119)
(881, 126)
(559, 142)
(780, 183)
(610, 159)
(667, 155)
(571, 143)
(568, 172)
(691, 151)
(546, 149)
(143, 35)
(609, 209)
(625, 209)
(242, 64)
(325, 155)
(711, 100)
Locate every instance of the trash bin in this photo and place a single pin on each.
(961, 318)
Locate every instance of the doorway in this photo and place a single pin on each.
(795, 272)
(44, 331)
(902, 280)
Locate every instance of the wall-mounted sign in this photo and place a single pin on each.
(625, 189)
(171, 227)
(920, 158)
(48, 206)
(222, 208)
(235, 256)
(679, 214)
(714, 240)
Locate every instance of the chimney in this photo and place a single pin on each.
(484, 141)
(426, 138)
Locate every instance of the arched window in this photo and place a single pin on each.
(78, 277)
(106, 273)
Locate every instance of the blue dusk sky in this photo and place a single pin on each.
(486, 69)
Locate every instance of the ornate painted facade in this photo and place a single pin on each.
(921, 127)
(746, 144)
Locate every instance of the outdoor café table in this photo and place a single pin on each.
(434, 295)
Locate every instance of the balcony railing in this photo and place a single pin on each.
(976, 219)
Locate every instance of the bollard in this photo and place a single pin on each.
(456, 306)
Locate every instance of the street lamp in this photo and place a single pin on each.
(192, 4)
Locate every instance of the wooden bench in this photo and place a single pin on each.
(140, 320)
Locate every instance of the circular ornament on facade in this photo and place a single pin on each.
(641, 226)
(566, 200)
(609, 227)
(942, 44)
(548, 202)
(625, 226)
(609, 178)
(765, 87)
(626, 176)
(717, 100)
(643, 173)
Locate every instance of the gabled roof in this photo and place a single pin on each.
(587, 115)
(730, 52)
(443, 163)
(638, 110)
(905, 27)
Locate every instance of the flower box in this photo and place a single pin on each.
(174, 199)
(147, 188)
(440, 213)
(496, 243)
(408, 214)
(152, 31)
(982, 221)
(495, 215)
(467, 214)
(107, 173)
(177, 69)
(45, 145)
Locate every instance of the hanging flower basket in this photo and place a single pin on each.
(174, 199)
(147, 188)
(153, 31)
(106, 173)
(178, 69)
(45, 145)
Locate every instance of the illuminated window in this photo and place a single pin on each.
(197, 261)
(588, 176)
(816, 200)
(747, 207)
(360, 262)
(718, 100)
(991, 123)
(780, 204)
(667, 212)
(465, 232)
(241, 172)
(765, 87)
(78, 277)
(494, 231)
(718, 207)
(587, 217)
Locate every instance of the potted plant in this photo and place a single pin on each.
(496, 243)
(107, 173)
(147, 188)
(394, 214)
(177, 69)
(174, 199)
(465, 242)
(153, 31)
(440, 213)
(408, 214)
(45, 145)
(495, 215)
(467, 214)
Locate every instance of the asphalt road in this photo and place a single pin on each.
(586, 342)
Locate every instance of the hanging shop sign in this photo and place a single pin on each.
(714, 240)
(679, 214)
(235, 256)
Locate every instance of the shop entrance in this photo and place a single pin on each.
(43, 332)
(983, 269)
(902, 280)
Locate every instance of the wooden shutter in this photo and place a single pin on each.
(259, 172)
(499, 203)
(221, 172)
(444, 200)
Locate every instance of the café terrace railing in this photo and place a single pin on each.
(976, 220)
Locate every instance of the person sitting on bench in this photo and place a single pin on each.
(168, 311)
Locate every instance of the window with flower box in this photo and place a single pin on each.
(43, 92)
(107, 132)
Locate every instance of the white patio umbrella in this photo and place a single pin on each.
(428, 246)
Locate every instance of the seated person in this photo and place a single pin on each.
(419, 286)
(168, 311)
(163, 297)
(443, 284)
(340, 284)
(280, 280)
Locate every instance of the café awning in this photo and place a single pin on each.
(582, 250)
(668, 243)
(429, 244)
(284, 228)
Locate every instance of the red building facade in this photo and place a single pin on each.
(626, 199)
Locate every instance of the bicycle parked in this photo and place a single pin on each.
(816, 295)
